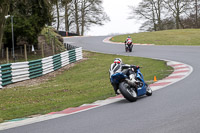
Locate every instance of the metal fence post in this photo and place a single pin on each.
(2, 52)
(25, 52)
(7, 55)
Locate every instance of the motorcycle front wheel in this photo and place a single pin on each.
(128, 92)
(148, 90)
(126, 49)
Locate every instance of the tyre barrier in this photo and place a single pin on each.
(15, 72)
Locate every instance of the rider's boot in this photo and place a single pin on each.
(116, 89)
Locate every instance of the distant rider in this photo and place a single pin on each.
(118, 67)
(129, 42)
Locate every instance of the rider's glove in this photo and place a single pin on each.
(133, 66)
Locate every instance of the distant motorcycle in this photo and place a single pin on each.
(128, 46)
(130, 92)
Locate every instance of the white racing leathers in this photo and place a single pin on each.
(126, 69)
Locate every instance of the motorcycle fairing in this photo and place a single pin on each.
(142, 89)
(117, 77)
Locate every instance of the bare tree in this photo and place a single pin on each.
(57, 4)
(92, 14)
(197, 6)
(193, 18)
(83, 14)
(58, 14)
(149, 10)
(144, 11)
(68, 13)
(76, 15)
(158, 5)
(167, 14)
(178, 8)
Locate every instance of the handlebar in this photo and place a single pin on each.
(135, 67)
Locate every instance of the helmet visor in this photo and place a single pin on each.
(118, 62)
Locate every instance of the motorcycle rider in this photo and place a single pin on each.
(117, 67)
(128, 42)
(128, 38)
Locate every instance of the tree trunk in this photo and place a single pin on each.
(177, 22)
(66, 18)
(82, 29)
(177, 14)
(159, 15)
(181, 24)
(153, 15)
(196, 13)
(76, 17)
(25, 52)
(3, 12)
(83, 17)
(58, 15)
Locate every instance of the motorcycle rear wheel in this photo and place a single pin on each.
(128, 92)
(131, 48)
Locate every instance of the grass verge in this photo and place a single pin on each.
(86, 82)
(166, 37)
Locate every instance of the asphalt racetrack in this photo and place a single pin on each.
(173, 109)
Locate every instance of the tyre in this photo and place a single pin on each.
(128, 92)
(149, 91)
(126, 49)
(131, 48)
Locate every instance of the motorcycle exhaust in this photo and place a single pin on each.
(132, 83)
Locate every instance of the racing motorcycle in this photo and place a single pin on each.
(128, 46)
(130, 92)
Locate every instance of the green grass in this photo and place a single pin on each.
(167, 37)
(86, 82)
